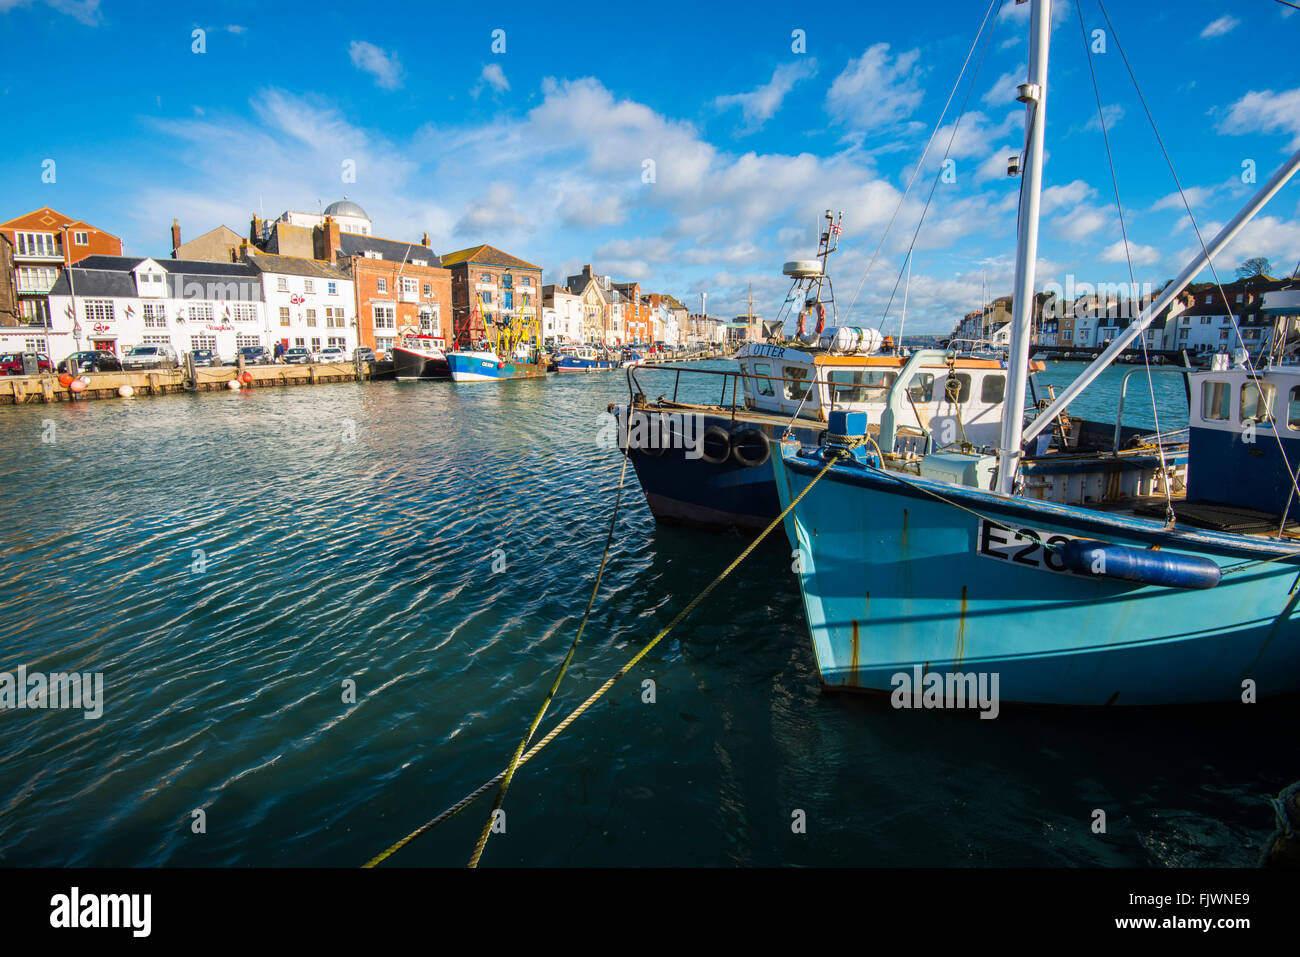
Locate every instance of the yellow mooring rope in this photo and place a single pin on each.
(597, 694)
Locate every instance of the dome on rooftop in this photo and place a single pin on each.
(345, 207)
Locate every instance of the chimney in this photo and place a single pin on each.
(331, 239)
(176, 238)
(255, 230)
(425, 240)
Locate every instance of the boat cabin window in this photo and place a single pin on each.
(1216, 401)
(994, 389)
(848, 385)
(796, 390)
(764, 386)
(962, 387)
(1254, 406)
(920, 388)
(1293, 410)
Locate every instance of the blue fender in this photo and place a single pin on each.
(1143, 565)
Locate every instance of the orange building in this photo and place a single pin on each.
(400, 287)
(44, 242)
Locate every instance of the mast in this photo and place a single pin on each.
(1034, 95)
(903, 321)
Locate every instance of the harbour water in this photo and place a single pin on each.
(229, 561)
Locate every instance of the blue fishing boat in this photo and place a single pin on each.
(582, 359)
(487, 366)
(926, 579)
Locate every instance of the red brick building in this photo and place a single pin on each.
(44, 242)
(508, 288)
(401, 289)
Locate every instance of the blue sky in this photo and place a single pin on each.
(541, 149)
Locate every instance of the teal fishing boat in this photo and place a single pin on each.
(930, 577)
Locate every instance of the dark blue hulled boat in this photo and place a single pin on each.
(583, 359)
(952, 576)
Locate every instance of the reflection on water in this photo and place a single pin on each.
(228, 561)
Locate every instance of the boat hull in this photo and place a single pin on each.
(486, 367)
(411, 365)
(894, 579)
(568, 364)
(691, 492)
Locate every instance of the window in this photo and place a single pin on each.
(526, 281)
(994, 389)
(508, 299)
(381, 284)
(1238, 297)
(332, 288)
(99, 310)
(1205, 320)
(385, 317)
(246, 340)
(38, 244)
(798, 389)
(858, 386)
(1223, 333)
(383, 344)
(311, 318)
(309, 286)
(507, 281)
(154, 317)
(485, 277)
(284, 315)
(208, 342)
(410, 286)
(155, 340)
(315, 343)
(1182, 334)
(921, 387)
(428, 289)
(338, 341)
(245, 312)
(486, 298)
(764, 385)
(81, 239)
(1207, 298)
(300, 342)
(334, 317)
(1257, 405)
(282, 284)
(1293, 410)
(36, 278)
(1216, 398)
(201, 312)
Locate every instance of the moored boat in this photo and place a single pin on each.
(582, 359)
(1179, 590)
(421, 358)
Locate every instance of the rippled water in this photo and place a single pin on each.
(350, 532)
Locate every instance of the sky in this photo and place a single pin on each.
(689, 147)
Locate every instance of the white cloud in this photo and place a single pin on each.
(876, 91)
(1265, 111)
(1004, 89)
(86, 11)
(1217, 28)
(1112, 113)
(493, 76)
(384, 67)
(1139, 254)
(760, 105)
(1196, 196)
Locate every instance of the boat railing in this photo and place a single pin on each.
(1123, 392)
(731, 379)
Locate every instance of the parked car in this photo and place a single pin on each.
(93, 360)
(330, 354)
(297, 355)
(255, 356)
(150, 356)
(205, 357)
(12, 363)
(364, 354)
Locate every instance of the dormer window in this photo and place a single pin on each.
(419, 262)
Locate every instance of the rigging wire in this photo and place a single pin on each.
(1249, 364)
(938, 174)
(1170, 517)
(921, 162)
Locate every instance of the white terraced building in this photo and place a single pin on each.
(114, 303)
(309, 304)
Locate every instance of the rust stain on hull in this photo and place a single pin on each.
(961, 628)
(855, 660)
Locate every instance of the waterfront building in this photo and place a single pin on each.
(43, 242)
(9, 315)
(296, 233)
(636, 313)
(308, 303)
(491, 288)
(114, 303)
(563, 312)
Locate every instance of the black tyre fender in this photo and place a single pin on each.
(715, 445)
(749, 448)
